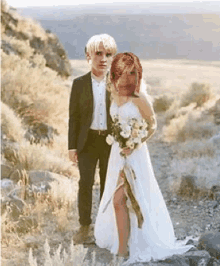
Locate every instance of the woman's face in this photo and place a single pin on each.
(126, 82)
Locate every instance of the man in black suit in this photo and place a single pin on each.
(89, 124)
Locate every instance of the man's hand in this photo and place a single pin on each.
(73, 156)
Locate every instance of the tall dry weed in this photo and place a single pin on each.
(11, 125)
(9, 236)
(63, 196)
(77, 256)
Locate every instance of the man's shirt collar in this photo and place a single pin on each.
(98, 79)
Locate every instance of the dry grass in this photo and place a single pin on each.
(36, 157)
(31, 28)
(9, 236)
(57, 203)
(205, 169)
(76, 256)
(45, 93)
(176, 76)
(48, 205)
(22, 47)
(195, 148)
(192, 125)
(64, 195)
(11, 125)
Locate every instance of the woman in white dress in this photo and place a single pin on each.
(133, 220)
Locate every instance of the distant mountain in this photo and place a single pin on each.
(70, 12)
(150, 30)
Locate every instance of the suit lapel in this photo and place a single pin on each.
(108, 102)
(89, 92)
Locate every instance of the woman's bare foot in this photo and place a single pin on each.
(123, 253)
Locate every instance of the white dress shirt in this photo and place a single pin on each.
(99, 120)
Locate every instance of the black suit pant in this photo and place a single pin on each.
(96, 149)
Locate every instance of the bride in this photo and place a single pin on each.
(133, 220)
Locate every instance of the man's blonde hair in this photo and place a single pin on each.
(107, 40)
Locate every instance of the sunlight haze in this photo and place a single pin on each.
(27, 3)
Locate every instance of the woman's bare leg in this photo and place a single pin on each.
(122, 219)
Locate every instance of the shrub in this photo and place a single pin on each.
(36, 157)
(198, 93)
(162, 103)
(41, 87)
(22, 47)
(189, 126)
(205, 170)
(175, 110)
(31, 28)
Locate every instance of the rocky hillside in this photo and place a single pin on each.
(20, 36)
(34, 95)
(34, 118)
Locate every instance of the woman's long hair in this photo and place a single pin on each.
(126, 62)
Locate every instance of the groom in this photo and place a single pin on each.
(89, 123)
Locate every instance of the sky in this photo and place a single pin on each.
(28, 3)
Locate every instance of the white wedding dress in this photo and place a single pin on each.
(156, 239)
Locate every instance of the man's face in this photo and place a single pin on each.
(101, 61)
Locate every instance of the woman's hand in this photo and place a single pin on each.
(126, 151)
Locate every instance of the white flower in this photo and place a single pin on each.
(137, 140)
(136, 125)
(132, 121)
(134, 133)
(110, 139)
(143, 133)
(130, 144)
(126, 131)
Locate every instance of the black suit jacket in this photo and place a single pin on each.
(81, 112)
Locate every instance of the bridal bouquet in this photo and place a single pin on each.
(129, 134)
